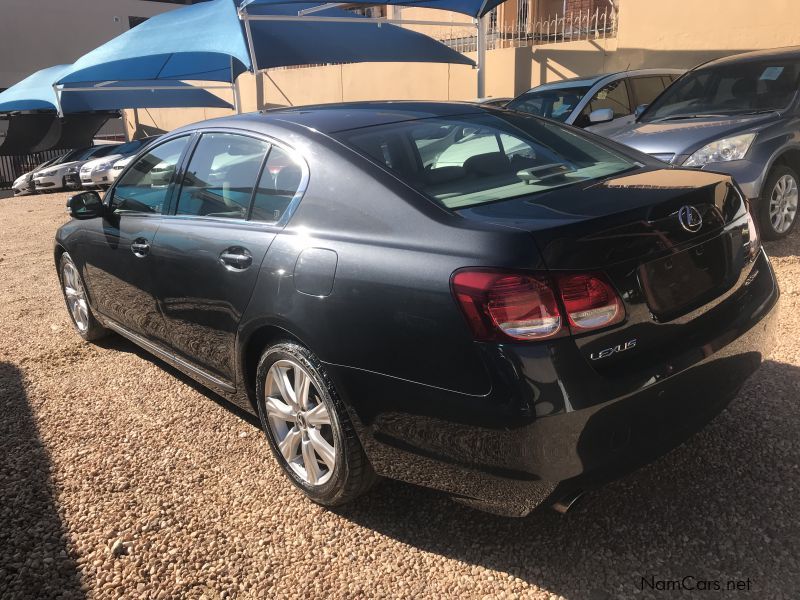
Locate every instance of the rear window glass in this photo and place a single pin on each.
(467, 160)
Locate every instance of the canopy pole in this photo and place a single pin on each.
(237, 101)
(481, 61)
(251, 48)
(58, 101)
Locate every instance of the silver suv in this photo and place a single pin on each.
(738, 115)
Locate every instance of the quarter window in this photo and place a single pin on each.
(613, 96)
(280, 181)
(145, 186)
(647, 89)
(221, 176)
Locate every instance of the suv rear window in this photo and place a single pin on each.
(466, 160)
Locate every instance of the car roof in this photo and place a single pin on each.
(590, 81)
(332, 118)
(789, 52)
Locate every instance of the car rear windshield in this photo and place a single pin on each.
(462, 161)
(728, 89)
(551, 103)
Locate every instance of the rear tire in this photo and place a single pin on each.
(308, 428)
(77, 303)
(778, 203)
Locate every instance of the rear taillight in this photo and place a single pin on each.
(590, 301)
(496, 305)
(500, 305)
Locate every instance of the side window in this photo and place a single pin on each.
(646, 89)
(144, 187)
(279, 184)
(613, 96)
(221, 175)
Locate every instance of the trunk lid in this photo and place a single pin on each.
(671, 242)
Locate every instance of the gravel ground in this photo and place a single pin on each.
(119, 477)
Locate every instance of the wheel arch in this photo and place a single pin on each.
(253, 343)
(58, 251)
(788, 156)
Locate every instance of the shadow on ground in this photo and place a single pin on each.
(35, 560)
(788, 246)
(722, 506)
(121, 344)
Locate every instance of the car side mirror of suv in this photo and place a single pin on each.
(601, 115)
(86, 205)
(639, 110)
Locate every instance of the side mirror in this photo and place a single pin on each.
(639, 110)
(86, 205)
(601, 115)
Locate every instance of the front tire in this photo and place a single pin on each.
(778, 204)
(77, 304)
(308, 428)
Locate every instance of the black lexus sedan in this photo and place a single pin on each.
(462, 297)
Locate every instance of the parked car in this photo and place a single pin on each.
(98, 173)
(498, 102)
(739, 115)
(513, 329)
(66, 174)
(24, 185)
(600, 104)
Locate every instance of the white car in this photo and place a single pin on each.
(66, 175)
(99, 171)
(601, 104)
(118, 167)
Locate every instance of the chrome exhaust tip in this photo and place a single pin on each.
(567, 502)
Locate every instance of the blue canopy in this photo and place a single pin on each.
(36, 93)
(473, 8)
(207, 41)
(287, 43)
(199, 42)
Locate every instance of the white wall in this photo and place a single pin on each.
(35, 34)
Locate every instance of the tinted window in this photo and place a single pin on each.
(646, 89)
(278, 185)
(473, 159)
(728, 89)
(554, 103)
(613, 96)
(221, 175)
(144, 187)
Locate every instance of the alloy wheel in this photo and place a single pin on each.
(76, 296)
(783, 203)
(300, 422)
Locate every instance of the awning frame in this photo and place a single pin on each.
(59, 89)
(309, 15)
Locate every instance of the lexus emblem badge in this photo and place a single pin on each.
(690, 218)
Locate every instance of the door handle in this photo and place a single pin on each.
(140, 247)
(236, 259)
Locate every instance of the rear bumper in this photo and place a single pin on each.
(551, 426)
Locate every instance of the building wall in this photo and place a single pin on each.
(651, 33)
(35, 34)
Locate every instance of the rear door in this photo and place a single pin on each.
(231, 203)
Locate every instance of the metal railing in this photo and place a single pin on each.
(574, 26)
(12, 166)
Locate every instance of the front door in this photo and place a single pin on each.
(118, 261)
(209, 253)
